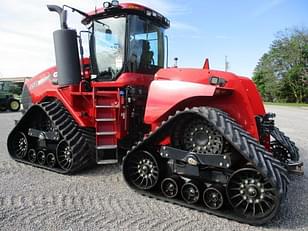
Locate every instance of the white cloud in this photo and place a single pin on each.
(26, 42)
(184, 26)
(266, 7)
(223, 37)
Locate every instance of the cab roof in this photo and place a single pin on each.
(127, 8)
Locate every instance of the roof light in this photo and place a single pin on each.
(115, 3)
(106, 4)
(154, 14)
(214, 80)
(149, 13)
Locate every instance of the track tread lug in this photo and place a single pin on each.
(78, 139)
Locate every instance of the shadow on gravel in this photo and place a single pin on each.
(100, 170)
(9, 112)
(292, 215)
(294, 212)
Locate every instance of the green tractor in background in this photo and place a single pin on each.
(10, 96)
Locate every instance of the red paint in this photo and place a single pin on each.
(81, 104)
(174, 89)
(170, 90)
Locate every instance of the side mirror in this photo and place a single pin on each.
(108, 31)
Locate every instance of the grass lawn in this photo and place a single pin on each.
(288, 104)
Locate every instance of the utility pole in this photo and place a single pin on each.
(176, 62)
(226, 63)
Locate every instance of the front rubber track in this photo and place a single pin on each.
(77, 138)
(241, 140)
(286, 142)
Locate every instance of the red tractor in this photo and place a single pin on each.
(196, 137)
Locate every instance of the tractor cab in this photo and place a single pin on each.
(125, 38)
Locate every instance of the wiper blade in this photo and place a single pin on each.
(78, 11)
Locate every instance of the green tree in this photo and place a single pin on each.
(282, 73)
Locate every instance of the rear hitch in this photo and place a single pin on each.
(296, 168)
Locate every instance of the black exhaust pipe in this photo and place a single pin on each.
(66, 51)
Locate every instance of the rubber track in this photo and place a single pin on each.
(79, 139)
(241, 140)
(286, 143)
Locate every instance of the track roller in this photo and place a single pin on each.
(41, 157)
(170, 187)
(51, 160)
(190, 192)
(213, 197)
(32, 156)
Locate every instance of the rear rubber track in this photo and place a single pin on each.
(79, 139)
(241, 140)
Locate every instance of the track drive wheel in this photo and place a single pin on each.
(20, 145)
(198, 136)
(190, 192)
(251, 195)
(14, 105)
(141, 170)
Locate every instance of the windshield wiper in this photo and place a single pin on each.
(78, 11)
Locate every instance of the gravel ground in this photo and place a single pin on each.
(98, 199)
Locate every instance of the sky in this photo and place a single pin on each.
(239, 29)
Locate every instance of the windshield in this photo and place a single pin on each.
(112, 53)
(146, 46)
(108, 45)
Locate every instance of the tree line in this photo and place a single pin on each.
(281, 74)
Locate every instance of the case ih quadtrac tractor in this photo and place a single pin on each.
(196, 137)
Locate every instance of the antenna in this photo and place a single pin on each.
(226, 63)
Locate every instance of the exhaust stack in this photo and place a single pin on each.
(66, 51)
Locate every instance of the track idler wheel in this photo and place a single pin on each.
(41, 157)
(64, 155)
(32, 156)
(251, 195)
(20, 145)
(190, 192)
(213, 197)
(141, 170)
(170, 187)
(51, 160)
